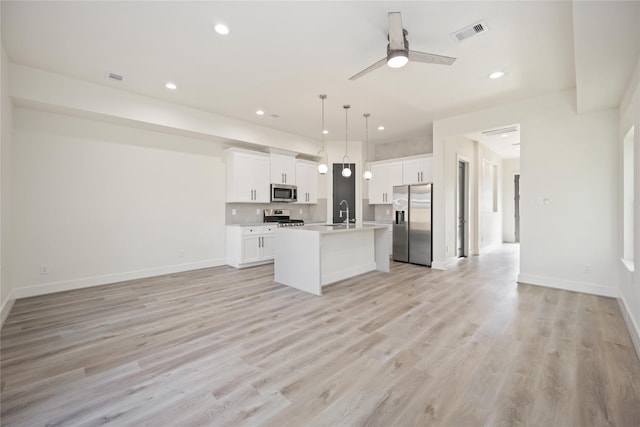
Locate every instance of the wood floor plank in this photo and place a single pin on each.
(414, 347)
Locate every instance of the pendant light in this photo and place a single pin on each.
(346, 172)
(367, 175)
(322, 166)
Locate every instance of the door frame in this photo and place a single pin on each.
(467, 208)
(516, 207)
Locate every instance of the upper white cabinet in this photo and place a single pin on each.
(401, 171)
(385, 176)
(283, 169)
(307, 181)
(417, 170)
(247, 176)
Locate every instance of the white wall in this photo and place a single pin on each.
(630, 280)
(510, 168)
(6, 108)
(98, 203)
(566, 158)
(489, 216)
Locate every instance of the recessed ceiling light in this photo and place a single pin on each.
(222, 29)
(260, 113)
(325, 132)
(380, 127)
(496, 74)
(505, 135)
(171, 86)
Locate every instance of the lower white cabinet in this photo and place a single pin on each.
(250, 245)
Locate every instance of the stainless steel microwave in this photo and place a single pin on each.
(284, 193)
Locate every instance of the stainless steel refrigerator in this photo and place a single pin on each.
(412, 223)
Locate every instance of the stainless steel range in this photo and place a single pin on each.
(282, 217)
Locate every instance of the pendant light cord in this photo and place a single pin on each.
(366, 132)
(323, 97)
(346, 133)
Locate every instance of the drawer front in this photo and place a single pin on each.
(259, 229)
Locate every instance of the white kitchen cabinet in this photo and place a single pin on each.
(250, 245)
(283, 169)
(385, 176)
(247, 176)
(307, 182)
(417, 170)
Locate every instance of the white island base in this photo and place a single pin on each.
(309, 257)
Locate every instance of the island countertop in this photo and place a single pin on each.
(336, 228)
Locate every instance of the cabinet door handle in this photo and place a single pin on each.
(285, 178)
(418, 176)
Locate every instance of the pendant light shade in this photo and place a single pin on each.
(346, 172)
(322, 166)
(367, 175)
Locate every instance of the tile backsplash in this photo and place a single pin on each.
(251, 213)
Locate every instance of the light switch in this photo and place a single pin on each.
(233, 211)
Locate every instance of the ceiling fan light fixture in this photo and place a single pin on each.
(397, 58)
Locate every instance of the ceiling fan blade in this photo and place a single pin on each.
(369, 69)
(396, 32)
(430, 58)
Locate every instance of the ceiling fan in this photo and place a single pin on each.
(398, 53)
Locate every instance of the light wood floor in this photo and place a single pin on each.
(416, 347)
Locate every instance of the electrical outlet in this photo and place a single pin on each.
(181, 254)
(587, 268)
(300, 211)
(257, 211)
(44, 269)
(233, 211)
(388, 212)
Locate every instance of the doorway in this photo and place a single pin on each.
(462, 235)
(516, 210)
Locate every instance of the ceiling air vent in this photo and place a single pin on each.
(501, 131)
(470, 31)
(115, 77)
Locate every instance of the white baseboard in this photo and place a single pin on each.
(87, 282)
(6, 308)
(568, 285)
(446, 264)
(632, 325)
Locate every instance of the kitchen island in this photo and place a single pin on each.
(310, 257)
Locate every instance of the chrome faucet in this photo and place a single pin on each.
(341, 211)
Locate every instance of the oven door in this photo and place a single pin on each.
(284, 193)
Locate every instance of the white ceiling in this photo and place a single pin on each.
(281, 55)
